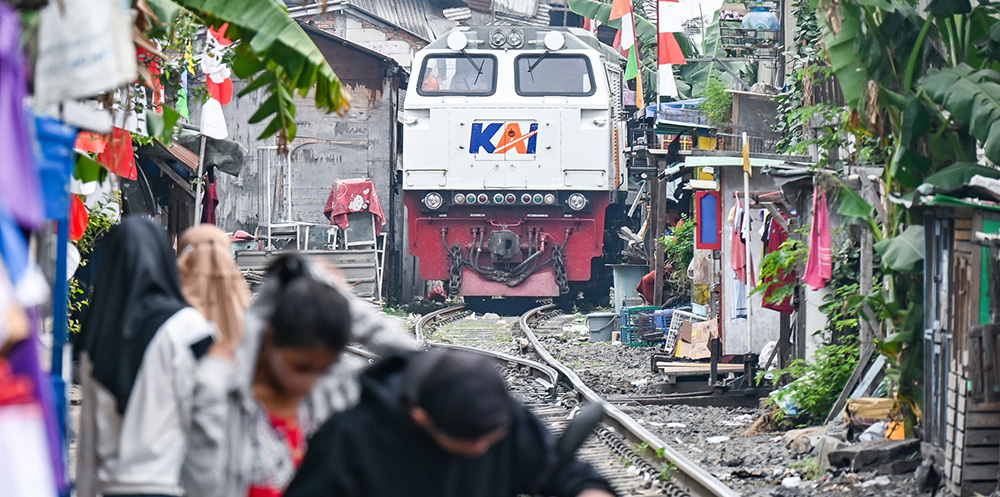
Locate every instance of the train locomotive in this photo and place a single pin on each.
(512, 161)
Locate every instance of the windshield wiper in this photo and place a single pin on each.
(540, 58)
(479, 68)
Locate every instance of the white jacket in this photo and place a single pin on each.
(147, 450)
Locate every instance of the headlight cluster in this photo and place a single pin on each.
(434, 201)
(512, 39)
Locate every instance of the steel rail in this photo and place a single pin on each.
(546, 375)
(696, 480)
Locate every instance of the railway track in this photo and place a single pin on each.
(633, 458)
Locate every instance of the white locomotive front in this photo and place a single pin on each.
(510, 159)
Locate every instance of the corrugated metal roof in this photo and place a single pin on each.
(525, 8)
(407, 14)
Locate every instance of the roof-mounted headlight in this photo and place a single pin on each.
(497, 38)
(457, 41)
(554, 40)
(515, 38)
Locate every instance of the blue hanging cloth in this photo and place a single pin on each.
(55, 164)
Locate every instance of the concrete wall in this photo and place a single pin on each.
(766, 325)
(391, 41)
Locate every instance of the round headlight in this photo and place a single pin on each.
(550, 199)
(526, 198)
(498, 198)
(483, 198)
(433, 201)
(497, 38)
(554, 40)
(457, 41)
(576, 201)
(515, 38)
(459, 198)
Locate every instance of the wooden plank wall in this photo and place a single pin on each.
(972, 450)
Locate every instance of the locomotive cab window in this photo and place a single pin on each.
(550, 74)
(458, 75)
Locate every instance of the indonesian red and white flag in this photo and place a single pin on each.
(622, 9)
(670, 18)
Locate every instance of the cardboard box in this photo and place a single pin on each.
(695, 338)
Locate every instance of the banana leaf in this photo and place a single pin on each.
(695, 76)
(905, 252)
(973, 99)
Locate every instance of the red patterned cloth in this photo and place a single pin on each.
(353, 195)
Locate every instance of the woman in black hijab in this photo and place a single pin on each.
(150, 374)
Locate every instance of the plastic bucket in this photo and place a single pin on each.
(626, 278)
(601, 324)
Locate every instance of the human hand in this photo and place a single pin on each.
(224, 348)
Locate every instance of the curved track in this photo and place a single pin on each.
(688, 478)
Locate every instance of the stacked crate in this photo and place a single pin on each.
(637, 323)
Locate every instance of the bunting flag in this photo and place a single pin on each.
(669, 21)
(622, 9)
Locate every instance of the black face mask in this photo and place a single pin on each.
(135, 291)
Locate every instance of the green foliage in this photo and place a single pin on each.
(693, 78)
(718, 104)
(808, 468)
(789, 255)
(678, 248)
(923, 86)
(98, 225)
(973, 99)
(816, 386)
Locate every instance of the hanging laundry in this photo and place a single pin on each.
(819, 267)
(209, 202)
(775, 236)
(78, 218)
(20, 190)
(56, 163)
(738, 255)
(118, 156)
(25, 365)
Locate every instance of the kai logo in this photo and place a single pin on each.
(503, 137)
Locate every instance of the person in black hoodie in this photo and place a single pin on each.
(437, 424)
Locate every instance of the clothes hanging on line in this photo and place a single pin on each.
(775, 235)
(819, 267)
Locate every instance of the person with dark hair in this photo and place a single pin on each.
(288, 377)
(149, 372)
(443, 425)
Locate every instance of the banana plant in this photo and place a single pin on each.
(925, 85)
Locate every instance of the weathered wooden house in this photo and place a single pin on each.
(961, 413)
(278, 191)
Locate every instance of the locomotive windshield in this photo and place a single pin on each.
(550, 74)
(458, 74)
